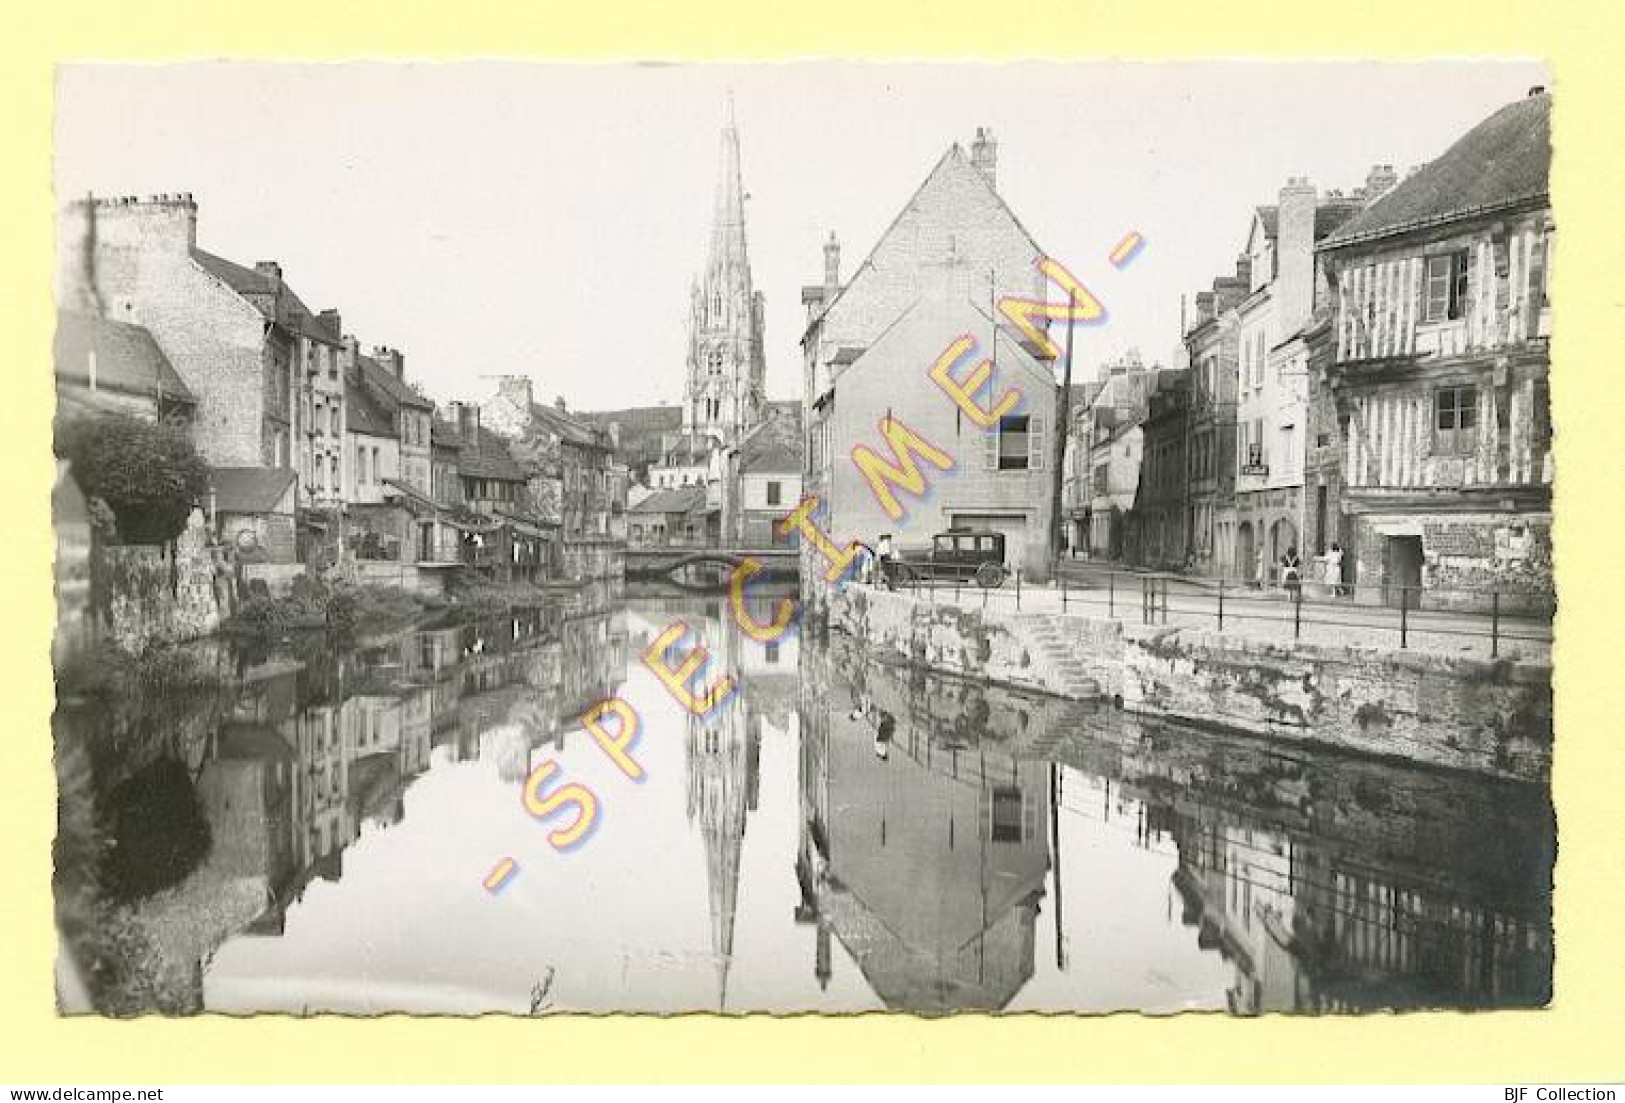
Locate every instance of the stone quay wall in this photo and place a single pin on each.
(151, 594)
(1490, 717)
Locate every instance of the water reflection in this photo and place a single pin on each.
(847, 835)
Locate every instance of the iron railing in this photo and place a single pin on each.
(1497, 615)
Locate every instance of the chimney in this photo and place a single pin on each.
(1295, 254)
(984, 154)
(1537, 90)
(468, 423)
(832, 267)
(334, 322)
(516, 391)
(271, 269)
(1204, 307)
(1244, 269)
(120, 228)
(391, 360)
(1379, 181)
(558, 403)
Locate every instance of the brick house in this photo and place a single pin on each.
(1440, 373)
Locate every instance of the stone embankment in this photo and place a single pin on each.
(1492, 717)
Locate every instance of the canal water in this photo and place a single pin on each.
(841, 835)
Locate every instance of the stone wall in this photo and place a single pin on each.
(1066, 655)
(1489, 717)
(149, 594)
(593, 558)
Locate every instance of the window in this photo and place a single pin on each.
(1013, 443)
(775, 493)
(333, 464)
(1006, 817)
(1455, 419)
(377, 472)
(1445, 287)
(771, 655)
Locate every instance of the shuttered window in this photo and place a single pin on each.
(1013, 444)
(1445, 288)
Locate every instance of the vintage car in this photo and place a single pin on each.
(958, 555)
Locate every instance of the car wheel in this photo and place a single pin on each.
(990, 576)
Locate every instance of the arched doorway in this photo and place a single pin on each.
(1244, 567)
(1283, 535)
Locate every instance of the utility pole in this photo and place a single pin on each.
(1063, 431)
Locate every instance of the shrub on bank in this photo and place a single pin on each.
(315, 604)
(483, 599)
(148, 473)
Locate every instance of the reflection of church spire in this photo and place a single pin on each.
(722, 766)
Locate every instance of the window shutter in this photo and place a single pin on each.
(990, 454)
(1035, 443)
(1422, 293)
(1460, 281)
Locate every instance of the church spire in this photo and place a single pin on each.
(728, 219)
(724, 395)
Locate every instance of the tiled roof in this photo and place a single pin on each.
(773, 448)
(394, 389)
(261, 290)
(445, 434)
(488, 459)
(682, 499)
(1504, 160)
(127, 357)
(569, 429)
(1332, 213)
(249, 489)
(363, 412)
(953, 161)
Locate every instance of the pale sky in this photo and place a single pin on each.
(493, 218)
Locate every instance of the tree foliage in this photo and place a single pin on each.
(148, 473)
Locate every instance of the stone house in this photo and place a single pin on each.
(1212, 345)
(762, 483)
(1162, 496)
(669, 518)
(936, 273)
(1272, 389)
(252, 509)
(1440, 373)
(245, 345)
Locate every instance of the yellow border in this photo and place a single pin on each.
(1569, 1042)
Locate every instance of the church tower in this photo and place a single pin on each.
(724, 395)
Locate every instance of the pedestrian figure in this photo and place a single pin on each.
(1291, 572)
(883, 734)
(1334, 569)
(884, 554)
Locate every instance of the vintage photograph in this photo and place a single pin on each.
(803, 537)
